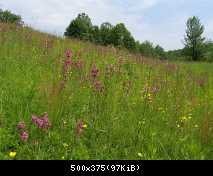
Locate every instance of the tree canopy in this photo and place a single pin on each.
(193, 38)
(81, 27)
(107, 34)
(8, 17)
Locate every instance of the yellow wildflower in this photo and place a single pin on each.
(140, 155)
(149, 97)
(84, 125)
(12, 154)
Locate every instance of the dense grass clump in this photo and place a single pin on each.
(67, 99)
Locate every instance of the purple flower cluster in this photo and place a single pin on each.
(67, 63)
(24, 136)
(98, 86)
(41, 122)
(68, 53)
(94, 71)
(21, 125)
(22, 132)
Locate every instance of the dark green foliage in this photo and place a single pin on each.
(8, 17)
(193, 39)
(95, 35)
(147, 48)
(118, 36)
(175, 54)
(129, 43)
(121, 37)
(80, 27)
(160, 51)
(208, 51)
(196, 48)
(106, 33)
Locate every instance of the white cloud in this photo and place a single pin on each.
(209, 30)
(55, 15)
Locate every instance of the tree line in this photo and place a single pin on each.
(8, 17)
(107, 34)
(196, 47)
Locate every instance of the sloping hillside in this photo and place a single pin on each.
(68, 99)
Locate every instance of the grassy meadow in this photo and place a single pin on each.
(102, 103)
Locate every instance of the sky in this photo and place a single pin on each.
(162, 22)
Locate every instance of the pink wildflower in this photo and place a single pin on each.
(45, 119)
(66, 67)
(68, 62)
(34, 119)
(68, 53)
(21, 125)
(42, 122)
(24, 136)
(94, 71)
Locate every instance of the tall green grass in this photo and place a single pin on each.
(147, 109)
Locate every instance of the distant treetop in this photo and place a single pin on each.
(8, 17)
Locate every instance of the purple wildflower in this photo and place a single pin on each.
(45, 119)
(34, 119)
(94, 71)
(24, 136)
(21, 125)
(68, 53)
(42, 122)
(39, 123)
(66, 67)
